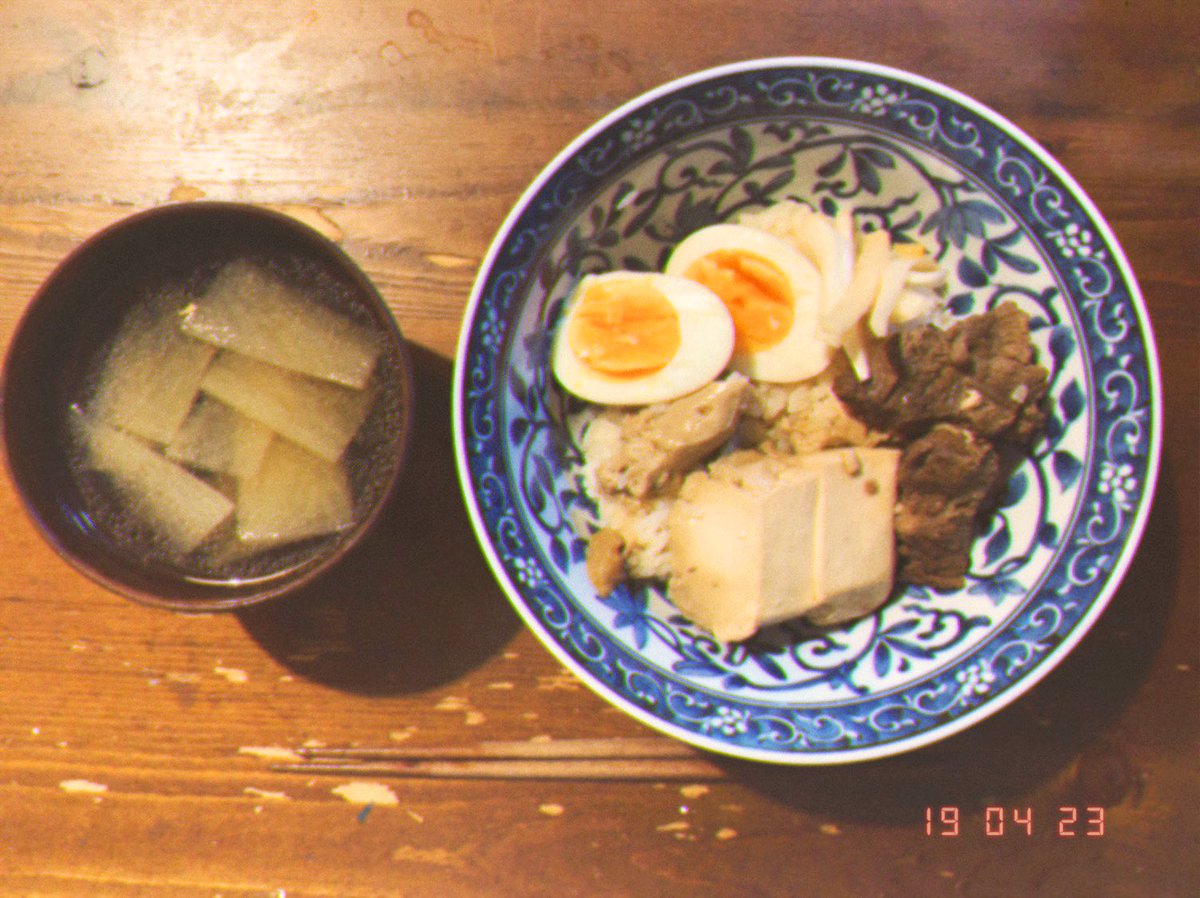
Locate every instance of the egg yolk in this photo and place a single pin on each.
(624, 328)
(754, 290)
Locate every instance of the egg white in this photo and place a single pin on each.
(706, 344)
(801, 353)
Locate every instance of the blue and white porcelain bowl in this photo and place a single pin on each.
(1008, 223)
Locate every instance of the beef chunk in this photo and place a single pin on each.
(967, 403)
(980, 373)
(947, 478)
(995, 353)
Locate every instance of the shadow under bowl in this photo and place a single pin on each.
(74, 316)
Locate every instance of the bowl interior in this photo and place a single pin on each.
(1008, 225)
(76, 313)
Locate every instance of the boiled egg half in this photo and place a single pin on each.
(773, 293)
(633, 338)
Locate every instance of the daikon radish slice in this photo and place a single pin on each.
(891, 284)
(821, 241)
(873, 255)
(914, 305)
(180, 506)
(927, 273)
(854, 344)
(151, 376)
(294, 495)
(847, 250)
(217, 438)
(800, 231)
(321, 416)
(249, 310)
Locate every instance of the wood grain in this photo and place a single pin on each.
(137, 746)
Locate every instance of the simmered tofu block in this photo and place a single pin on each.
(854, 555)
(294, 495)
(321, 416)
(181, 506)
(249, 310)
(151, 376)
(220, 439)
(757, 540)
(741, 542)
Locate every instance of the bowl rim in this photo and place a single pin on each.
(1115, 576)
(270, 588)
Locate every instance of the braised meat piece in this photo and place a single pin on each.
(966, 403)
(947, 478)
(995, 352)
(980, 373)
(662, 442)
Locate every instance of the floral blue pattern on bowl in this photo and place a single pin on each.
(1008, 223)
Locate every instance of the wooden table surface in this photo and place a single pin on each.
(136, 745)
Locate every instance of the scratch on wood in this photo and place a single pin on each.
(439, 857)
(315, 217)
(266, 795)
(272, 753)
(448, 41)
(365, 793)
(185, 193)
(391, 54)
(83, 787)
(89, 68)
(448, 260)
(567, 682)
(680, 830)
(232, 674)
(157, 884)
(471, 716)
